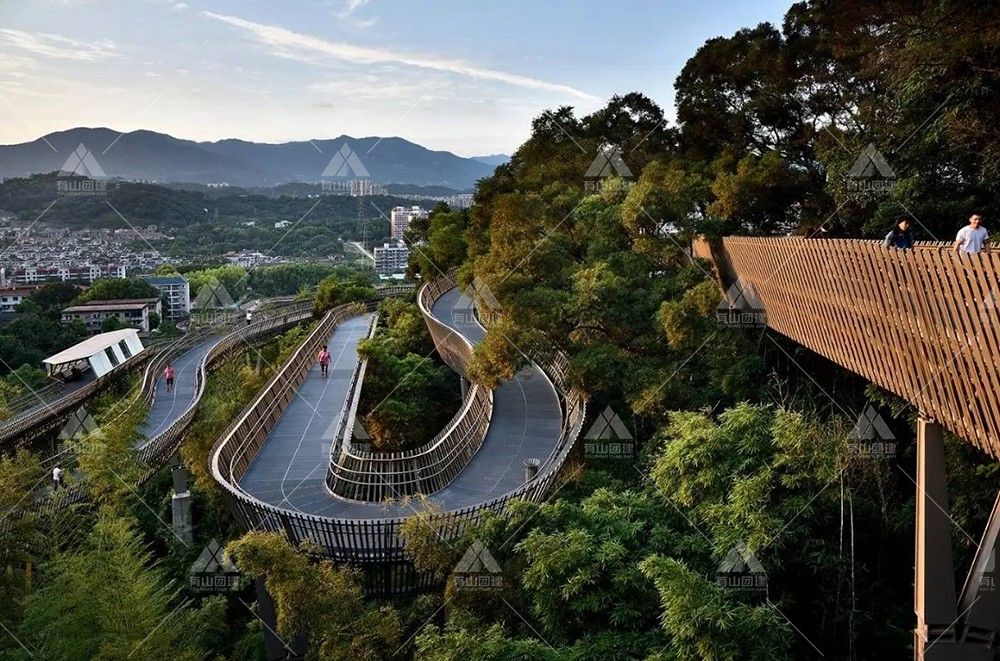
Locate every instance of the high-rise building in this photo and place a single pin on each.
(176, 294)
(391, 259)
(401, 218)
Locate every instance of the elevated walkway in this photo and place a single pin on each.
(272, 462)
(925, 325)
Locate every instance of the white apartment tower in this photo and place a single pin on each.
(401, 218)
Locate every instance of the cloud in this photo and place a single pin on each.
(350, 6)
(179, 6)
(296, 45)
(54, 45)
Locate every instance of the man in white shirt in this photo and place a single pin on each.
(56, 477)
(972, 237)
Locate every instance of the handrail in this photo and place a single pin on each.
(53, 410)
(924, 324)
(373, 476)
(363, 539)
(164, 443)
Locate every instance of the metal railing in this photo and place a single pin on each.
(50, 413)
(364, 539)
(156, 449)
(373, 476)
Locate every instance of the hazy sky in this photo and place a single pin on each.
(465, 75)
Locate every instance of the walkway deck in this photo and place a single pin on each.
(167, 407)
(290, 470)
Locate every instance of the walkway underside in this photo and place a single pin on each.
(925, 325)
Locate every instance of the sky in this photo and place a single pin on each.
(466, 76)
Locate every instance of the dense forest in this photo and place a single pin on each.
(742, 440)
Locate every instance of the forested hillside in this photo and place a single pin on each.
(738, 450)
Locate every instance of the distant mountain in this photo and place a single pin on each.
(150, 156)
(492, 159)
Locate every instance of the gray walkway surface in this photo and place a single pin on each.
(52, 400)
(290, 471)
(168, 406)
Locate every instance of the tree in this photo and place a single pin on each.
(338, 289)
(318, 600)
(118, 288)
(111, 323)
(108, 600)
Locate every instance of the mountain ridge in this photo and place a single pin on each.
(147, 155)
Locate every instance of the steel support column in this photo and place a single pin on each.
(934, 596)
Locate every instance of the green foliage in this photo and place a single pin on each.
(340, 287)
(439, 242)
(407, 396)
(318, 600)
(38, 331)
(231, 277)
(287, 279)
(705, 623)
(118, 288)
(111, 324)
(109, 600)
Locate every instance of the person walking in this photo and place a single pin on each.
(249, 317)
(168, 374)
(324, 361)
(56, 478)
(973, 237)
(900, 235)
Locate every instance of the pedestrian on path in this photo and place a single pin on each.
(324, 361)
(973, 237)
(249, 317)
(900, 235)
(56, 478)
(168, 374)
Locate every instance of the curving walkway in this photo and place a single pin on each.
(290, 469)
(167, 407)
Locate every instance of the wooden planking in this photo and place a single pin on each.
(923, 323)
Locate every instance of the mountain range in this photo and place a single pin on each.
(157, 157)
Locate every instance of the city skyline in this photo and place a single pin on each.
(461, 79)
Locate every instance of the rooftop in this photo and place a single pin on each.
(165, 279)
(89, 347)
(102, 306)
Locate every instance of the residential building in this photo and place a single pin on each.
(176, 294)
(391, 259)
(400, 219)
(82, 272)
(248, 258)
(10, 297)
(133, 313)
